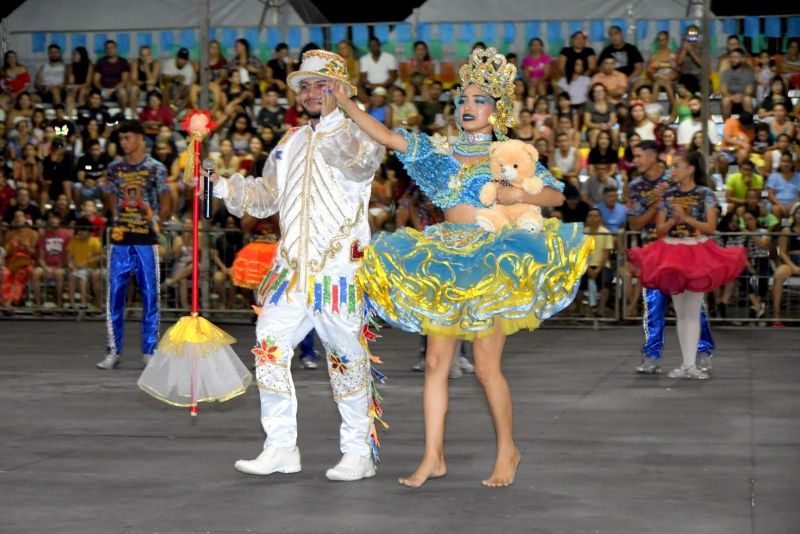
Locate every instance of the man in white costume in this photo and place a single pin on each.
(318, 180)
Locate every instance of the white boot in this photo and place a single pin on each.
(351, 467)
(271, 460)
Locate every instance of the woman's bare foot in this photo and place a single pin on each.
(505, 469)
(427, 469)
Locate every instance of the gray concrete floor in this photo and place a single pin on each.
(604, 451)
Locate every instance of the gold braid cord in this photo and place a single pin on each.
(495, 76)
(188, 171)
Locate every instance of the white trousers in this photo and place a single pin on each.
(280, 327)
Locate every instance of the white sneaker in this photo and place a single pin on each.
(271, 460)
(688, 372)
(704, 363)
(111, 361)
(419, 366)
(455, 368)
(466, 366)
(351, 467)
(649, 366)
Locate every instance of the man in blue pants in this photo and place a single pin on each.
(644, 195)
(135, 189)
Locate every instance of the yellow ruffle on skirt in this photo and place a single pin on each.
(455, 280)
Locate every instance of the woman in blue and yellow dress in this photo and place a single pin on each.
(456, 281)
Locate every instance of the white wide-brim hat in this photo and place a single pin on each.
(321, 64)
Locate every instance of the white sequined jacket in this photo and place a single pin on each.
(319, 182)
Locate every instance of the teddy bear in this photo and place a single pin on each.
(511, 162)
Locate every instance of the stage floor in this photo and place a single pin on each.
(604, 450)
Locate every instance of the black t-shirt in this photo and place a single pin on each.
(572, 55)
(85, 114)
(32, 213)
(64, 128)
(279, 70)
(577, 214)
(272, 119)
(625, 58)
(596, 158)
(93, 168)
(57, 171)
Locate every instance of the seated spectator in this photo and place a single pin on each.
(737, 85)
(402, 113)
(732, 43)
(592, 190)
(238, 94)
(57, 173)
(14, 79)
(777, 93)
(52, 259)
(421, 71)
(112, 75)
(652, 108)
(62, 125)
(20, 256)
(739, 183)
(30, 211)
(225, 249)
(28, 172)
(789, 264)
(565, 127)
(22, 109)
(378, 68)
(83, 260)
(614, 214)
(177, 76)
(145, 74)
(7, 193)
(642, 125)
(780, 123)
(613, 80)
(180, 254)
(89, 212)
(90, 172)
(521, 98)
(603, 153)
(378, 108)
(783, 187)
(772, 158)
(791, 62)
(251, 70)
(564, 108)
(577, 84)
(271, 114)
(761, 141)
(566, 162)
(598, 272)
(66, 214)
(536, 68)
(544, 149)
(599, 115)
(381, 200)
(277, 68)
(758, 268)
(668, 147)
(576, 50)
(253, 161)
(662, 67)
(155, 115)
(93, 110)
(688, 127)
(226, 162)
(346, 49)
(524, 130)
(764, 70)
(431, 108)
(738, 135)
(80, 77)
(627, 58)
(574, 209)
(240, 133)
(51, 77)
(218, 70)
(689, 60)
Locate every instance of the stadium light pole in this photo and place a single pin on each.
(705, 81)
(205, 257)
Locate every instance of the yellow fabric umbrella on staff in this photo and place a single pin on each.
(194, 361)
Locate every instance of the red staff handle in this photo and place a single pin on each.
(196, 230)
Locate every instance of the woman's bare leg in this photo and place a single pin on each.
(434, 400)
(488, 353)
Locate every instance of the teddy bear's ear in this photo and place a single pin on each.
(494, 146)
(531, 150)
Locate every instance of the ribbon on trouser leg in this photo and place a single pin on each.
(147, 277)
(120, 265)
(706, 343)
(655, 303)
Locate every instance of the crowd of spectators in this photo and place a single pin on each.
(584, 111)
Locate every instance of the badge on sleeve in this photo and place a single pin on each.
(356, 252)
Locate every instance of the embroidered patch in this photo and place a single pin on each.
(266, 352)
(356, 252)
(348, 377)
